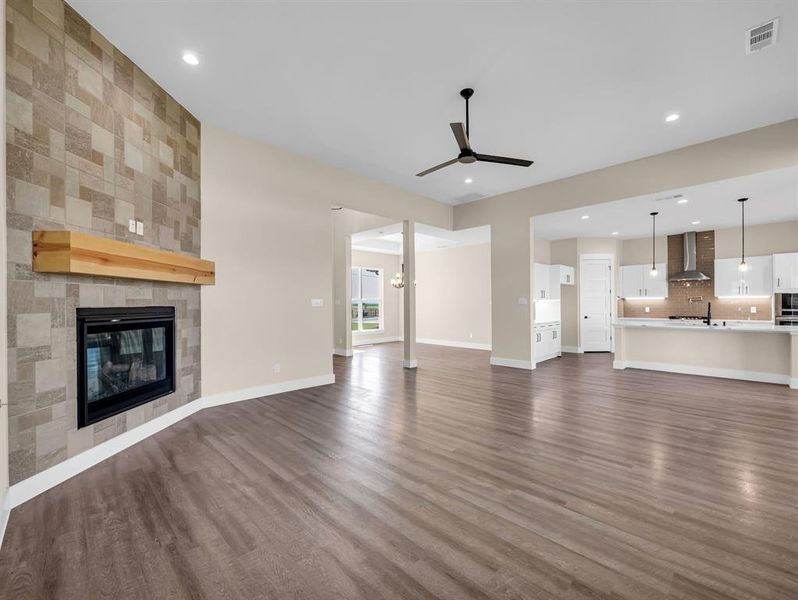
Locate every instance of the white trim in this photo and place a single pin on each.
(342, 352)
(759, 376)
(357, 341)
(572, 349)
(549, 356)
(33, 486)
(454, 344)
(410, 364)
(794, 383)
(512, 362)
(5, 513)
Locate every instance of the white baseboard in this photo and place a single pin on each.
(545, 357)
(794, 383)
(5, 513)
(366, 340)
(454, 344)
(572, 349)
(512, 362)
(759, 376)
(342, 352)
(33, 486)
(410, 364)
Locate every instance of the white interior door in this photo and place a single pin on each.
(595, 286)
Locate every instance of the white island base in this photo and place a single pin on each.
(766, 352)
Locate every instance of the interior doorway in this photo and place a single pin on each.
(595, 301)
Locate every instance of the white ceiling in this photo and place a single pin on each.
(372, 86)
(388, 239)
(773, 196)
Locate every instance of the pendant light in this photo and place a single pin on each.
(743, 266)
(654, 244)
(398, 280)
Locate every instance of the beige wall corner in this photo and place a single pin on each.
(763, 149)
(266, 223)
(794, 363)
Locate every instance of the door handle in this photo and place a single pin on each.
(585, 316)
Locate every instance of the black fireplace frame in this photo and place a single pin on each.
(99, 320)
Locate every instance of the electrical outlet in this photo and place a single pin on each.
(139, 228)
(317, 302)
(753, 310)
(470, 336)
(523, 301)
(648, 309)
(276, 367)
(131, 225)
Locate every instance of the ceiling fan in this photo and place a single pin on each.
(467, 155)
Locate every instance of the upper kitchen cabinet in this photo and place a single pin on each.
(756, 281)
(561, 275)
(542, 282)
(785, 273)
(637, 282)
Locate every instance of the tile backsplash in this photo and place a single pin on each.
(690, 298)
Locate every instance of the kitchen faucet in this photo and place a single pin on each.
(709, 313)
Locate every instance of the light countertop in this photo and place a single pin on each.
(717, 325)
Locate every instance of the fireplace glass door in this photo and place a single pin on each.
(125, 358)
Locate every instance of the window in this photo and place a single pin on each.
(366, 299)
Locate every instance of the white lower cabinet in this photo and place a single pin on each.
(547, 341)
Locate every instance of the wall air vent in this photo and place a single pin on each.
(762, 36)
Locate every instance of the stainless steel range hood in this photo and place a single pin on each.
(690, 272)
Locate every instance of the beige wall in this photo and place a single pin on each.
(453, 295)
(392, 297)
(638, 251)
(267, 224)
(760, 240)
(543, 252)
(740, 351)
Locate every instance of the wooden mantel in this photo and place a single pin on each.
(85, 254)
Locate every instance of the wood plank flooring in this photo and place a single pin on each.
(457, 481)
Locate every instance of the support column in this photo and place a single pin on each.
(619, 360)
(794, 360)
(409, 308)
(342, 294)
(511, 258)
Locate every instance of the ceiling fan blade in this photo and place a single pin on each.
(519, 162)
(458, 129)
(436, 167)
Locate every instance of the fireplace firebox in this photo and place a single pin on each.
(126, 357)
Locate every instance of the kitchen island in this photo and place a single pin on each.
(749, 350)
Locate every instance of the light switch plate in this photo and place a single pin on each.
(523, 301)
(753, 310)
(131, 225)
(648, 309)
(317, 302)
(139, 228)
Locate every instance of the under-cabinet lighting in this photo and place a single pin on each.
(653, 297)
(743, 297)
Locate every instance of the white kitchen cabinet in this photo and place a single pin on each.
(756, 281)
(637, 282)
(785, 273)
(542, 282)
(547, 341)
(563, 274)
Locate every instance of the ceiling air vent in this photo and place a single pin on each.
(762, 36)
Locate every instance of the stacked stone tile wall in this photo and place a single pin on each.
(91, 143)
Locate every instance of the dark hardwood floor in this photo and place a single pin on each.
(457, 481)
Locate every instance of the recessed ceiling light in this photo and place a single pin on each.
(695, 223)
(681, 201)
(672, 117)
(614, 233)
(585, 217)
(468, 180)
(190, 58)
